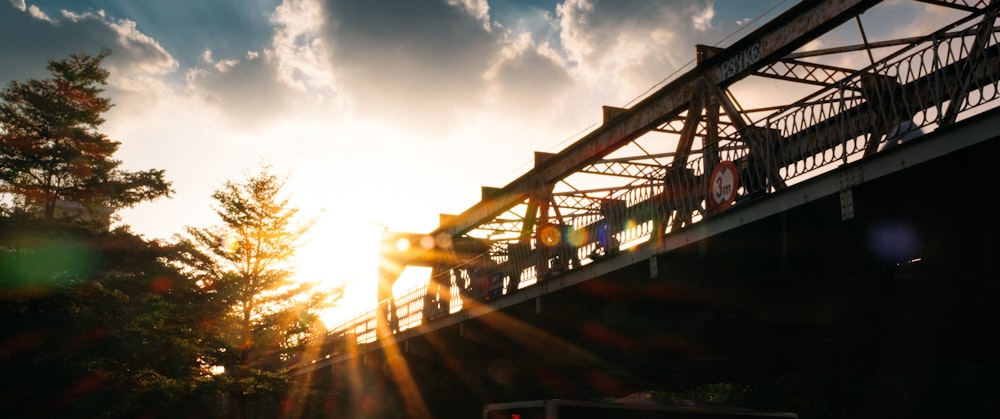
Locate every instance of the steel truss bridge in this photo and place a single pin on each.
(779, 208)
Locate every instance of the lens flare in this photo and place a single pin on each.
(228, 243)
(550, 235)
(577, 238)
(894, 242)
(161, 285)
(402, 244)
(427, 242)
(443, 241)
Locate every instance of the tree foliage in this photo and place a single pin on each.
(97, 323)
(105, 323)
(271, 313)
(51, 150)
(108, 327)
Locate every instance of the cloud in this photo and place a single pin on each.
(247, 91)
(527, 81)
(70, 33)
(289, 78)
(479, 9)
(624, 46)
(299, 50)
(413, 63)
(138, 64)
(702, 19)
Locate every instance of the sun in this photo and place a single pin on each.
(335, 253)
(342, 246)
(347, 254)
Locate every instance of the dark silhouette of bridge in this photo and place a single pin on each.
(839, 245)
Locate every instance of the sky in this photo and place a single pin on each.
(381, 113)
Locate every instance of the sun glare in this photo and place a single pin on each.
(347, 254)
(342, 254)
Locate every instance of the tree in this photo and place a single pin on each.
(271, 313)
(52, 152)
(97, 323)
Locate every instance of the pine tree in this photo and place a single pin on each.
(52, 152)
(97, 322)
(271, 313)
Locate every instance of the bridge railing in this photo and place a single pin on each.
(932, 83)
(889, 102)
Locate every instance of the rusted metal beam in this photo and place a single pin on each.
(626, 169)
(794, 70)
(691, 122)
(974, 65)
(963, 5)
(880, 44)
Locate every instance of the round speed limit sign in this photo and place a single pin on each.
(725, 181)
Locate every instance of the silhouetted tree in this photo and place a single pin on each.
(272, 314)
(96, 323)
(51, 150)
(99, 324)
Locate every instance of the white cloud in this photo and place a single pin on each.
(246, 91)
(289, 78)
(478, 9)
(526, 81)
(621, 48)
(37, 13)
(299, 50)
(702, 20)
(133, 43)
(132, 51)
(408, 63)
